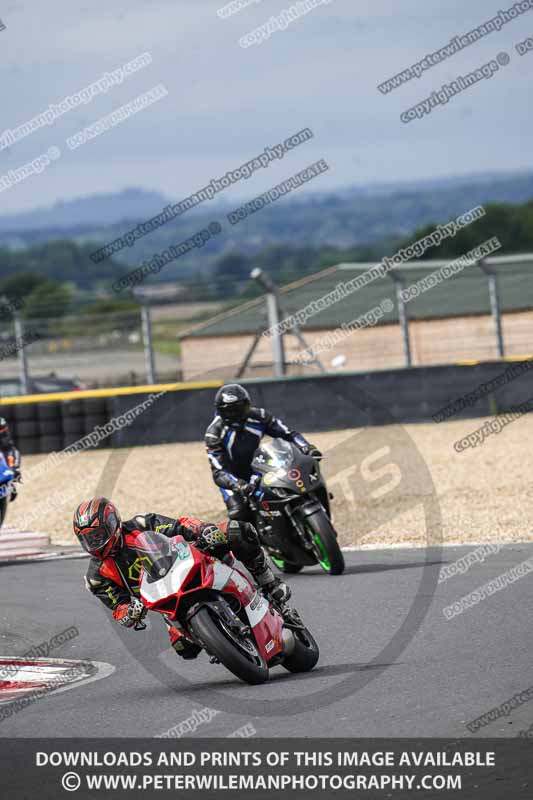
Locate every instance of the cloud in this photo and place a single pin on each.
(226, 103)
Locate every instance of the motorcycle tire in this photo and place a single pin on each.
(3, 510)
(332, 559)
(285, 566)
(206, 629)
(305, 654)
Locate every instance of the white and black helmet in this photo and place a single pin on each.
(233, 403)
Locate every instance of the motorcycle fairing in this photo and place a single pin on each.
(168, 585)
(6, 476)
(267, 626)
(281, 465)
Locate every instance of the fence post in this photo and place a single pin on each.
(148, 342)
(402, 318)
(21, 354)
(272, 304)
(494, 296)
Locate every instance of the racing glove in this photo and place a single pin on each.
(211, 539)
(246, 489)
(310, 450)
(128, 614)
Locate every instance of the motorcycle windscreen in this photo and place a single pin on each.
(273, 455)
(156, 553)
(167, 563)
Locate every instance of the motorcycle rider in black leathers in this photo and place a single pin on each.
(115, 568)
(10, 453)
(231, 440)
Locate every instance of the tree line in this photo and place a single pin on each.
(53, 278)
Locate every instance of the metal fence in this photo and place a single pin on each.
(85, 350)
(482, 312)
(436, 315)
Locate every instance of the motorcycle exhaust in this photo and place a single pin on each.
(288, 641)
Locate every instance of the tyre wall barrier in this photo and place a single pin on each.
(135, 416)
(41, 426)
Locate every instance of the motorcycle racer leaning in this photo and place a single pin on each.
(231, 440)
(115, 567)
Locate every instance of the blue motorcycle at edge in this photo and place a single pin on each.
(8, 491)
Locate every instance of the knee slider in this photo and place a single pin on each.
(233, 530)
(245, 550)
(242, 532)
(234, 512)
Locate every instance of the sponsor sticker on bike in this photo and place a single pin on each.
(183, 551)
(256, 601)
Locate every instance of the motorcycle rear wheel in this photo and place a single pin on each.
(305, 654)
(210, 632)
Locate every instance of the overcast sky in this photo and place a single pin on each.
(226, 103)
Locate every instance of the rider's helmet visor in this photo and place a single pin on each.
(95, 539)
(234, 412)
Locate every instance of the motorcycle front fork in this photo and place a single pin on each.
(305, 536)
(303, 531)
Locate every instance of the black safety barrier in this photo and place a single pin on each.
(317, 403)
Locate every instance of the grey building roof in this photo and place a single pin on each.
(463, 294)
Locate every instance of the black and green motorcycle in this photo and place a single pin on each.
(291, 508)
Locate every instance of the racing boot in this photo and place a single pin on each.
(244, 542)
(187, 650)
(274, 587)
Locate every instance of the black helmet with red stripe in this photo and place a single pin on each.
(98, 527)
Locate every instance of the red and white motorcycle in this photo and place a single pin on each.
(217, 607)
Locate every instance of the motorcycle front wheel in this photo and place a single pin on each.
(286, 566)
(242, 657)
(327, 550)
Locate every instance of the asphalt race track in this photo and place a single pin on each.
(448, 673)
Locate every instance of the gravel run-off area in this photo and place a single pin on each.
(382, 479)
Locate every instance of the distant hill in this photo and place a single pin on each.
(226, 276)
(352, 217)
(84, 212)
